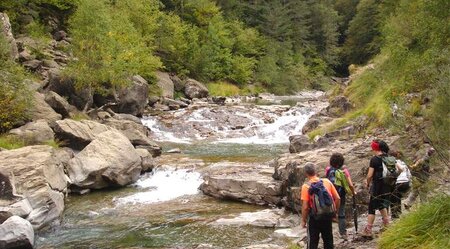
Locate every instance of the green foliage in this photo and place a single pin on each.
(14, 94)
(108, 47)
(10, 142)
(423, 228)
(223, 89)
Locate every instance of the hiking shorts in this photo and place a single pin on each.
(378, 203)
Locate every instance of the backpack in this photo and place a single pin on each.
(339, 180)
(321, 202)
(389, 175)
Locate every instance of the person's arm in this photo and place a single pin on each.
(350, 182)
(369, 176)
(305, 212)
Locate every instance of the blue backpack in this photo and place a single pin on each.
(320, 201)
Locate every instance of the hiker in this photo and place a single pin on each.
(320, 201)
(379, 191)
(339, 175)
(402, 185)
(421, 172)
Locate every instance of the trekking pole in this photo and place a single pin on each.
(355, 214)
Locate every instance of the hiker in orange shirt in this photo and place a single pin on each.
(320, 200)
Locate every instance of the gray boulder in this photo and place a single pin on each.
(249, 187)
(136, 133)
(7, 32)
(310, 125)
(338, 106)
(78, 134)
(109, 160)
(299, 143)
(194, 89)
(177, 83)
(134, 98)
(59, 104)
(35, 132)
(37, 175)
(41, 110)
(147, 161)
(16, 233)
(164, 82)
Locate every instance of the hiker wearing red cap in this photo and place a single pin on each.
(379, 192)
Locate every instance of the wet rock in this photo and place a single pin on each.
(161, 107)
(173, 151)
(78, 134)
(166, 84)
(109, 160)
(177, 83)
(42, 110)
(299, 143)
(34, 132)
(249, 187)
(174, 104)
(37, 174)
(134, 98)
(20, 208)
(7, 32)
(219, 100)
(15, 233)
(147, 161)
(129, 117)
(266, 218)
(194, 89)
(59, 104)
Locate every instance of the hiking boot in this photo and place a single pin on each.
(367, 233)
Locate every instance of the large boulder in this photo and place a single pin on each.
(195, 89)
(65, 87)
(134, 98)
(16, 233)
(41, 110)
(7, 32)
(310, 125)
(78, 134)
(250, 187)
(109, 160)
(35, 132)
(338, 106)
(166, 84)
(37, 175)
(136, 133)
(299, 143)
(59, 104)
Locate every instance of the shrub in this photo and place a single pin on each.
(223, 89)
(423, 228)
(14, 94)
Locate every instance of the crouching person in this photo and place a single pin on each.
(320, 200)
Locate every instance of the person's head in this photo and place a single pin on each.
(309, 169)
(379, 146)
(337, 160)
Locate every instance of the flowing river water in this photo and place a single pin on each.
(164, 208)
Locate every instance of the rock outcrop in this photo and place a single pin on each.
(59, 104)
(166, 84)
(195, 89)
(41, 110)
(255, 187)
(134, 98)
(299, 143)
(35, 132)
(78, 134)
(7, 32)
(15, 233)
(109, 160)
(37, 175)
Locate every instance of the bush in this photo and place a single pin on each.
(14, 94)
(426, 227)
(223, 89)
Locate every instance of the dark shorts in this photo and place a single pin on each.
(379, 197)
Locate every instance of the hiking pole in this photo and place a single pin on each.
(355, 214)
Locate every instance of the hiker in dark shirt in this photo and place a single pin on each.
(379, 192)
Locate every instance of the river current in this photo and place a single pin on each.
(164, 208)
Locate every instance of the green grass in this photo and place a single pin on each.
(426, 227)
(10, 143)
(223, 89)
(80, 116)
(53, 143)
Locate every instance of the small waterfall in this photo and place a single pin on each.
(163, 185)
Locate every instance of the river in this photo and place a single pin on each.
(164, 208)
